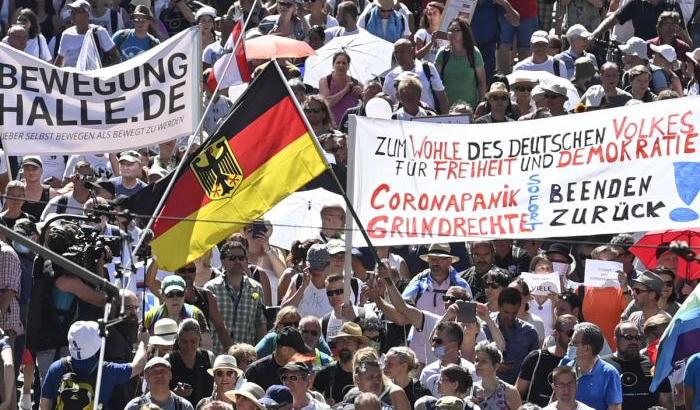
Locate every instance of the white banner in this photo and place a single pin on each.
(602, 274)
(149, 99)
(607, 171)
(542, 283)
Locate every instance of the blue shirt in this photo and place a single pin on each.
(599, 388)
(692, 377)
(113, 375)
(521, 339)
(129, 46)
(568, 57)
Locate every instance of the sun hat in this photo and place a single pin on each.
(84, 339)
(164, 332)
(439, 250)
(225, 361)
(351, 330)
(635, 46)
(497, 88)
(250, 391)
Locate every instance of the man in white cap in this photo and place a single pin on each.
(634, 53)
(540, 60)
(577, 35)
(607, 94)
(664, 61)
(158, 375)
(130, 172)
(84, 345)
(72, 38)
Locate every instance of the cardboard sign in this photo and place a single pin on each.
(602, 274)
(542, 283)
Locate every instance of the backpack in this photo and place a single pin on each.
(74, 393)
(62, 204)
(354, 285)
(429, 76)
(105, 59)
(44, 329)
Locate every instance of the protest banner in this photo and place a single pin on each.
(542, 283)
(445, 119)
(457, 8)
(601, 172)
(149, 99)
(601, 274)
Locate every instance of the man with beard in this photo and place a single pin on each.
(427, 288)
(121, 343)
(636, 371)
(335, 380)
(534, 381)
(484, 260)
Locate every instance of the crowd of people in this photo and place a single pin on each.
(255, 327)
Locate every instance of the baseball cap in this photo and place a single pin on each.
(318, 257)
(666, 51)
(172, 282)
(130, 156)
(577, 30)
(164, 332)
(650, 280)
(277, 396)
(593, 96)
(335, 246)
(156, 361)
(425, 403)
(290, 337)
(300, 367)
(25, 227)
(32, 160)
(84, 339)
(80, 4)
(539, 36)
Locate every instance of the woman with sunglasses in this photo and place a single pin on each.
(399, 364)
(173, 306)
(522, 89)
(287, 316)
(494, 282)
(190, 364)
(498, 105)
(319, 115)
(226, 375)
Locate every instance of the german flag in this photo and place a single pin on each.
(260, 154)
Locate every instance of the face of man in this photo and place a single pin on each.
(452, 295)
(609, 77)
(129, 169)
(555, 102)
(439, 267)
(668, 28)
(563, 335)
(483, 258)
(131, 307)
(404, 53)
(642, 295)
(297, 382)
(565, 388)
(346, 348)
(629, 342)
(235, 261)
(577, 342)
(335, 291)
(507, 314)
(80, 17)
(441, 339)
(579, 43)
(310, 332)
(539, 49)
(337, 262)
(159, 376)
(333, 219)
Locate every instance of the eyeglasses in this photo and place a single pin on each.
(492, 285)
(453, 299)
(313, 333)
(337, 292)
(499, 98)
(234, 258)
(668, 284)
(293, 378)
(312, 110)
(436, 341)
(637, 291)
(523, 89)
(630, 338)
(222, 373)
(551, 96)
(139, 20)
(186, 270)
(176, 294)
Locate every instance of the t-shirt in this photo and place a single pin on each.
(39, 48)
(105, 20)
(263, 372)
(314, 302)
(636, 377)
(53, 166)
(603, 306)
(599, 388)
(579, 406)
(330, 21)
(427, 96)
(333, 382)
(548, 66)
(431, 374)
(72, 206)
(175, 402)
(120, 189)
(100, 164)
(644, 16)
(537, 369)
(423, 35)
(129, 45)
(692, 377)
(72, 41)
(339, 31)
(459, 76)
(213, 52)
(113, 374)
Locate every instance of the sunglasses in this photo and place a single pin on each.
(630, 338)
(436, 340)
(492, 285)
(187, 270)
(139, 20)
(337, 292)
(452, 299)
(637, 291)
(523, 89)
(313, 333)
(499, 98)
(222, 373)
(551, 96)
(237, 258)
(294, 378)
(312, 110)
(176, 294)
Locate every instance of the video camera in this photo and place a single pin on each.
(88, 247)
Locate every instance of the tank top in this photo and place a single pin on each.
(202, 382)
(497, 400)
(348, 100)
(36, 208)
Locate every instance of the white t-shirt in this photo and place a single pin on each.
(314, 302)
(339, 31)
(73, 207)
(427, 95)
(100, 163)
(622, 32)
(105, 21)
(548, 66)
(330, 21)
(212, 53)
(53, 166)
(71, 42)
(545, 313)
(334, 323)
(579, 406)
(39, 48)
(431, 373)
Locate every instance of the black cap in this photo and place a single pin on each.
(560, 248)
(300, 367)
(25, 227)
(290, 337)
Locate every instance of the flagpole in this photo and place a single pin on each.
(361, 228)
(177, 170)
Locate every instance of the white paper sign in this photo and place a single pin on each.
(601, 274)
(454, 8)
(542, 283)
(598, 172)
(143, 101)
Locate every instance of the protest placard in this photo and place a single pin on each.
(445, 119)
(146, 100)
(454, 8)
(599, 172)
(542, 283)
(601, 274)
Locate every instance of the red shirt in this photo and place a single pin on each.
(526, 8)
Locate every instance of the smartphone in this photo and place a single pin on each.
(467, 311)
(258, 229)
(185, 386)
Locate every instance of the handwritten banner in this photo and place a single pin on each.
(607, 171)
(602, 274)
(542, 283)
(144, 101)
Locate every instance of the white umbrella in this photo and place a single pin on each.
(298, 216)
(545, 77)
(370, 56)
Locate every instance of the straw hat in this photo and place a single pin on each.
(225, 361)
(440, 250)
(497, 88)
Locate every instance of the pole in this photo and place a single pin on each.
(177, 170)
(101, 361)
(349, 222)
(335, 177)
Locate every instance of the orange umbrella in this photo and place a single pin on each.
(270, 46)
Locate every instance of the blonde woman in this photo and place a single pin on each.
(400, 364)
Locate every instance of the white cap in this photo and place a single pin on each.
(156, 361)
(635, 46)
(84, 339)
(577, 30)
(593, 96)
(335, 246)
(80, 4)
(539, 36)
(164, 332)
(205, 11)
(666, 51)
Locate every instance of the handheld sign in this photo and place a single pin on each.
(602, 274)
(457, 8)
(542, 283)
